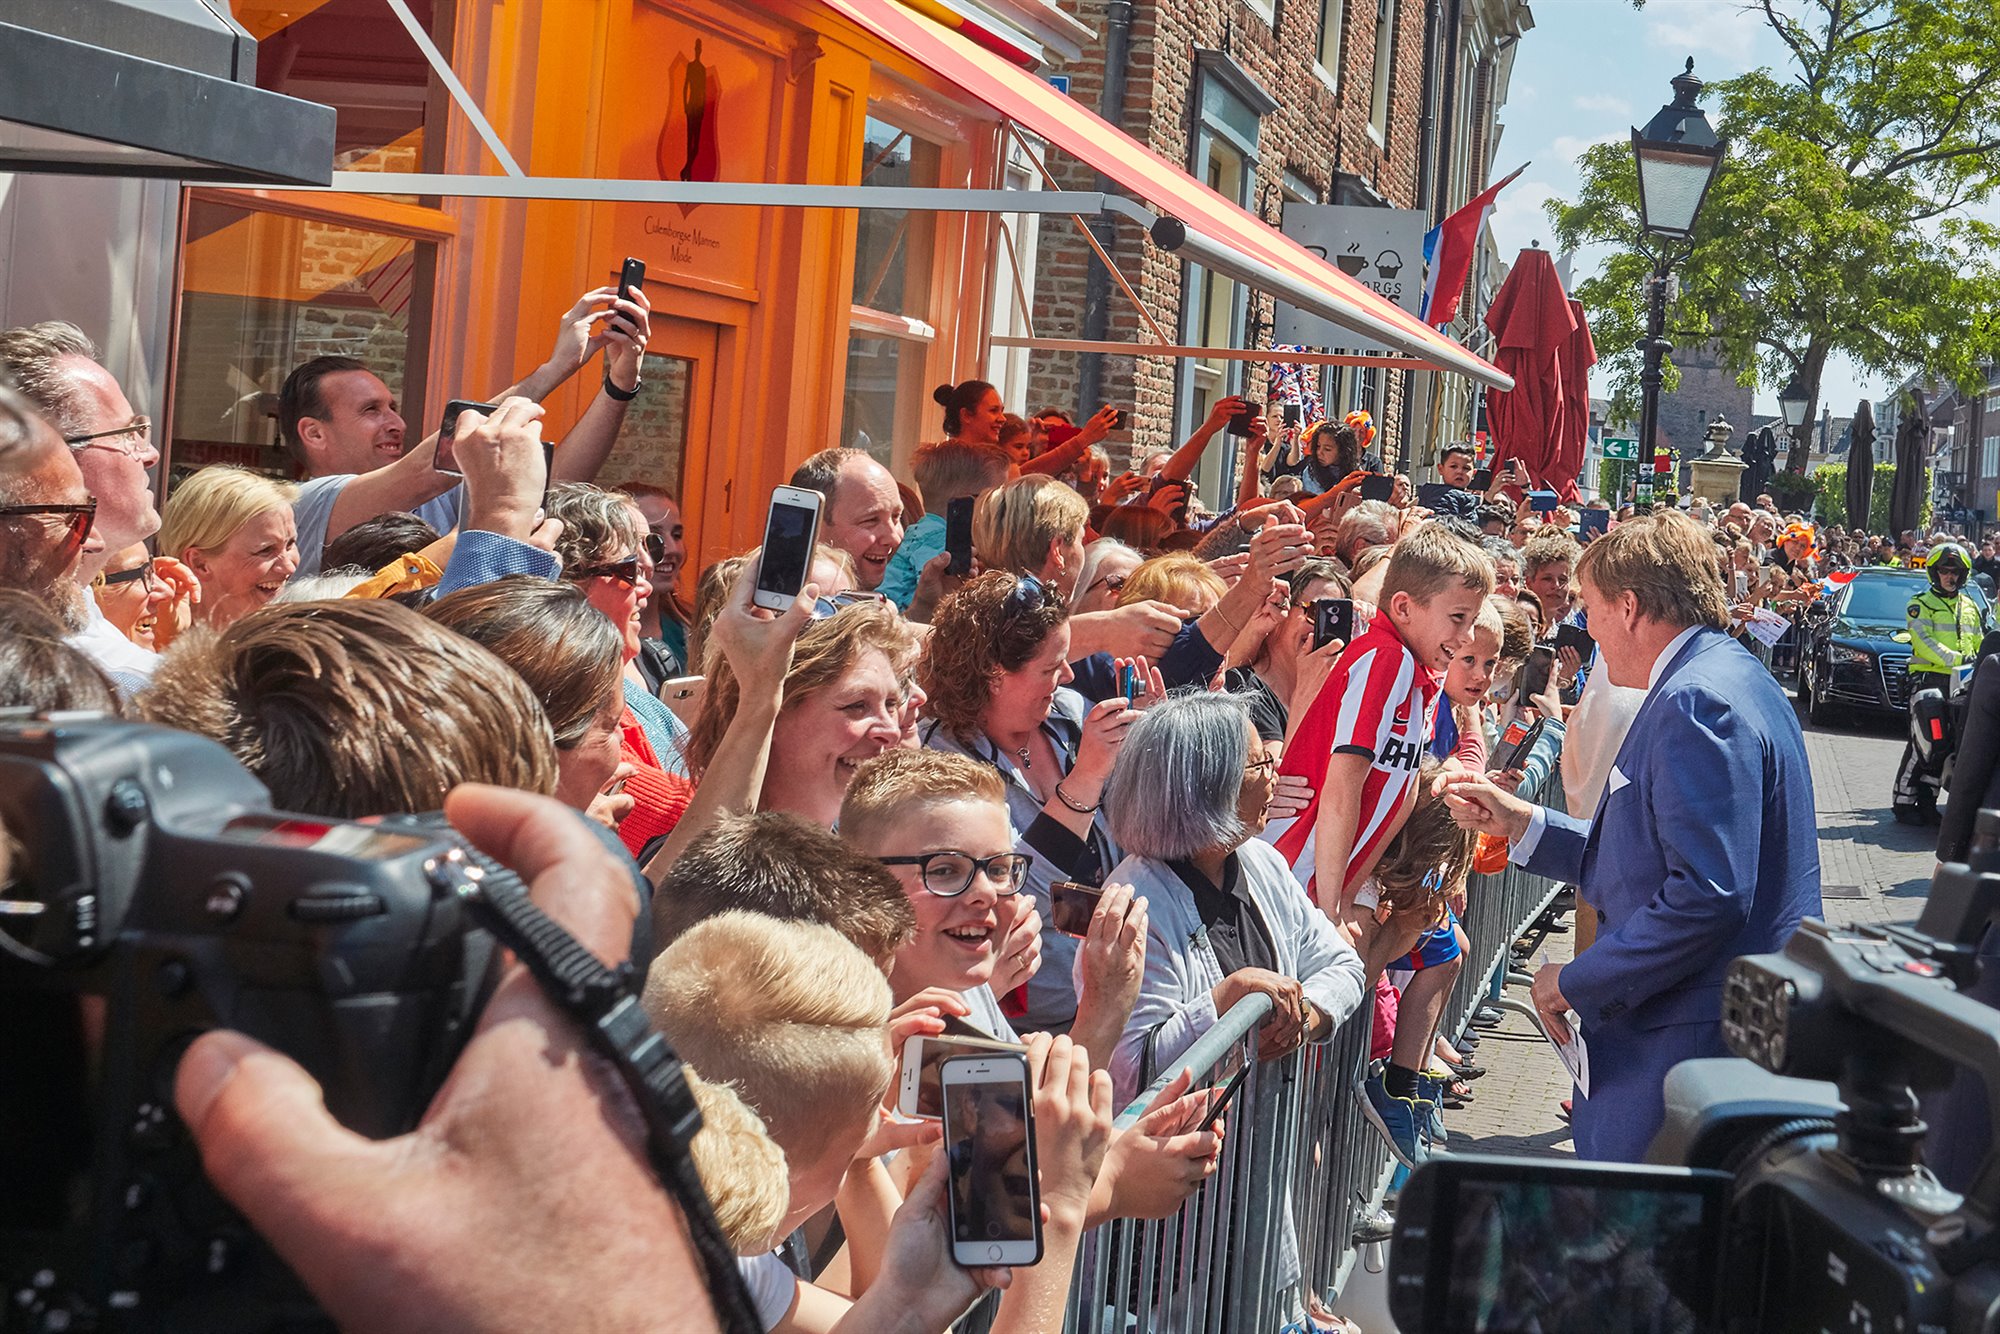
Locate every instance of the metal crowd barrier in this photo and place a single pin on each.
(1301, 1166)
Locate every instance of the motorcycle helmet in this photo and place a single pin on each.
(1947, 556)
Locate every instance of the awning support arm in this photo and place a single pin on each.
(1014, 272)
(442, 68)
(1159, 336)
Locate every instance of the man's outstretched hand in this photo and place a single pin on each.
(523, 1201)
(1478, 804)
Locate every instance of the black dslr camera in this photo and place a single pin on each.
(1796, 1205)
(154, 894)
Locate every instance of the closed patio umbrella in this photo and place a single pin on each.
(1861, 466)
(1573, 429)
(1532, 325)
(1912, 434)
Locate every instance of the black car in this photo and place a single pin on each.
(1851, 657)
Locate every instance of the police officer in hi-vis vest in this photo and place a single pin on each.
(1945, 624)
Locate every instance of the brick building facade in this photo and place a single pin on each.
(1707, 390)
(1321, 101)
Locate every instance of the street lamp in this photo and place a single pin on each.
(1793, 400)
(1678, 157)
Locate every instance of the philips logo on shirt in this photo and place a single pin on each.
(1400, 754)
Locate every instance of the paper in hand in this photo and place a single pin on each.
(1766, 626)
(1575, 1057)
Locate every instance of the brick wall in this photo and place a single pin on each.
(1708, 389)
(1315, 133)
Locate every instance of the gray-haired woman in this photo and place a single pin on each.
(1227, 919)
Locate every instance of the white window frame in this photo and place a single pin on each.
(1332, 33)
(1386, 14)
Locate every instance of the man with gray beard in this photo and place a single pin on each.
(46, 514)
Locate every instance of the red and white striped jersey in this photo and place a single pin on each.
(1376, 702)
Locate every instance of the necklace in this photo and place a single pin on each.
(1026, 763)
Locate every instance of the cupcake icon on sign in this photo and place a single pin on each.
(1388, 263)
(1352, 262)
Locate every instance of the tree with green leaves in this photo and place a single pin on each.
(1838, 222)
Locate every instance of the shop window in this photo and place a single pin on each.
(263, 292)
(1385, 68)
(653, 441)
(889, 334)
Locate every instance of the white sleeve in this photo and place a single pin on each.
(1524, 847)
(773, 1287)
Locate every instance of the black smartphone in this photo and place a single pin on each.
(1515, 744)
(790, 530)
(1333, 618)
(1463, 1220)
(631, 277)
(1535, 671)
(958, 535)
(1119, 418)
(1482, 478)
(1593, 523)
(1239, 424)
(1294, 414)
(1377, 486)
(445, 459)
(1178, 511)
(1221, 1104)
(989, 1142)
(1576, 637)
(1071, 906)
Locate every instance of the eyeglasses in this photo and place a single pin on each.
(624, 571)
(111, 579)
(130, 439)
(1260, 766)
(839, 602)
(1114, 582)
(79, 518)
(949, 874)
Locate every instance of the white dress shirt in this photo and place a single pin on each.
(1538, 820)
(100, 641)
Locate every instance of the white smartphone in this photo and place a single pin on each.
(683, 694)
(918, 1090)
(989, 1142)
(790, 530)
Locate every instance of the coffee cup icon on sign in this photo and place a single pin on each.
(1388, 263)
(1352, 262)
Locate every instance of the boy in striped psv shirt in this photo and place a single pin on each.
(1363, 737)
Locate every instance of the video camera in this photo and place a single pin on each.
(154, 894)
(1796, 1205)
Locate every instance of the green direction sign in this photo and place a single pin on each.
(1620, 447)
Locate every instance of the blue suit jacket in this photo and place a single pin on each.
(1705, 846)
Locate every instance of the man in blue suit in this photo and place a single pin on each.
(1704, 846)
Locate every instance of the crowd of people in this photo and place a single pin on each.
(854, 813)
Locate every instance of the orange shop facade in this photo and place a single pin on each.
(775, 332)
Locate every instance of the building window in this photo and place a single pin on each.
(1331, 16)
(889, 335)
(1214, 308)
(1993, 398)
(1989, 456)
(263, 292)
(1385, 63)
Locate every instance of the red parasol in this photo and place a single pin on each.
(1573, 430)
(1532, 322)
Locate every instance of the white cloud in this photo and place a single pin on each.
(1716, 27)
(1568, 147)
(1518, 217)
(1603, 105)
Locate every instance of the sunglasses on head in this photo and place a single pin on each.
(79, 519)
(625, 571)
(1029, 594)
(838, 602)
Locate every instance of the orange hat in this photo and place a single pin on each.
(1802, 532)
(1363, 424)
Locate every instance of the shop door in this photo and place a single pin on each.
(666, 434)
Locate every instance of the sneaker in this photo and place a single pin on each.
(1402, 1122)
(1431, 1086)
(1486, 1016)
(1377, 1225)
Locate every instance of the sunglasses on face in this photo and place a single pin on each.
(79, 519)
(625, 571)
(656, 547)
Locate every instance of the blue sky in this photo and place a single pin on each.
(1587, 73)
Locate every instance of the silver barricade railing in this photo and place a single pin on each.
(1301, 1166)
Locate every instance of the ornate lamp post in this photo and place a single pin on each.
(1678, 156)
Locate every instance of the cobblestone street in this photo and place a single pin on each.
(1872, 870)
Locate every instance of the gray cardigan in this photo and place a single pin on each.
(1175, 1006)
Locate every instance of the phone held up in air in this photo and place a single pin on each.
(1128, 682)
(1239, 423)
(989, 1142)
(1593, 523)
(1482, 478)
(1543, 502)
(1333, 618)
(1377, 486)
(919, 1090)
(1071, 906)
(1576, 637)
(631, 277)
(790, 530)
(444, 458)
(1536, 670)
(958, 536)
